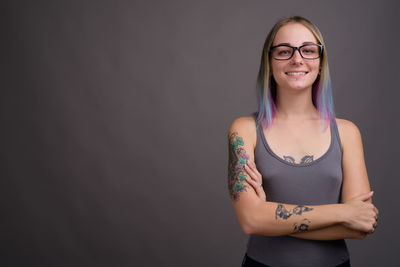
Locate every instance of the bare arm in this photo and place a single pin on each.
(273, 219)
(355, 182)
(267, 218)
(333, 232)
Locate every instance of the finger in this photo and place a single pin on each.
(257, 187)
(254, 184)
(251, 183)
(365, 196)
(253, 167)
(253, 175)
(372, 231)
(250, 172)
(376, 210)
(250, 162)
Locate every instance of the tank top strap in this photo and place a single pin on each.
(336, 131)
(259, 129)
(255, 115)
(258, 124)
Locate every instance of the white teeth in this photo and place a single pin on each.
(296, 73)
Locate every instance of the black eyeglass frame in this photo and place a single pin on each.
(298, 49)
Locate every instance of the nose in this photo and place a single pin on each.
(297, 58)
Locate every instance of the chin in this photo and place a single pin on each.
(299, 86)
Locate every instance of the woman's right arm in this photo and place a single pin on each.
(258, 217)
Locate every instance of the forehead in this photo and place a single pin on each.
(294, 34)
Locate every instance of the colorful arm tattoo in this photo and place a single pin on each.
(236, 172)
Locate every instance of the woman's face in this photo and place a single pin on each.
(295, 73)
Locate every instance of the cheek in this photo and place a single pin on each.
(317, 65)
(277, 69)
(316, 68)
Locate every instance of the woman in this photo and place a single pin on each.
(297, 177)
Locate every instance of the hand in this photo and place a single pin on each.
(361, 215)
(255, 179)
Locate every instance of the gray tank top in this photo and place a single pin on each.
(314, 183)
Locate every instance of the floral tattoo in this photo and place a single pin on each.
(237, 160)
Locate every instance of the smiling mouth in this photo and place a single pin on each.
(296, 73)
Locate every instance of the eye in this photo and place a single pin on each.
(309, 50)
(284, 52)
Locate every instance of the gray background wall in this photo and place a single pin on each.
(114, 117)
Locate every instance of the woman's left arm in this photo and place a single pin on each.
(355, 182)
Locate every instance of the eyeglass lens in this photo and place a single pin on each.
(286, 52)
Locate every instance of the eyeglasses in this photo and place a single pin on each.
(307, 51)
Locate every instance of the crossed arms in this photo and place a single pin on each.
(353, 218)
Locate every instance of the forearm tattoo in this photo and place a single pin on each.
(303, 227)
(282, 213)
(236, 172)
(300, 209)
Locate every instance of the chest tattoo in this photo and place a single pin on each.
(305, 159)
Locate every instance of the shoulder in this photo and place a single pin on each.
(244, 127)
(348, 132)
(246, 123)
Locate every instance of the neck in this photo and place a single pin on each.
(295, 105)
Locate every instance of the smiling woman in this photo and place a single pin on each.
(286, 70)
(297, 177)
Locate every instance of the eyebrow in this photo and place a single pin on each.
(304, 43)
